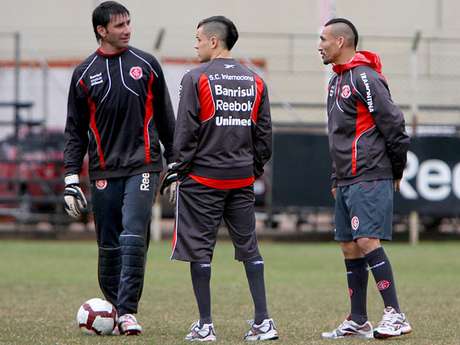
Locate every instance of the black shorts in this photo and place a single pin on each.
(199, 212)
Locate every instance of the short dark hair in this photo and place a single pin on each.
(223, 27)
(347, 23)
(104, 12)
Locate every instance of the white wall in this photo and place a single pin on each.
(53, 28)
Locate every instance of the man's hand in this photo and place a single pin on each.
(334, 191)
(75, 201)
(171, 189)
(396, 184)
(169, 184)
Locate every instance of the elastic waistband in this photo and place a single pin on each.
(383, 174)
(224, 184)
(223, 173)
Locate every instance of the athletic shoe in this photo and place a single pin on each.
(265, 331)
(203, 332)
(350, 329)
(393, 324)
(128, 325)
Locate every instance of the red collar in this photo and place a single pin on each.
(101, 53)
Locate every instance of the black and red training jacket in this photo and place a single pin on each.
(223, 133)
(367, 136)
(119, 109)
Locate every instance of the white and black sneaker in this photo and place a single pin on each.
(393, 324)
(128, 325)
(264, 331)
(203, 332)
(350, 329)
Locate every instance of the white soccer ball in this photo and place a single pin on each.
(97, 316)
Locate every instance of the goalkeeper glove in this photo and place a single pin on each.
(169, 183)
(75, 201)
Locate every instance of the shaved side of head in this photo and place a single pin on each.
(215, 29)
(222, 28)
(341, 27)
(343, 30)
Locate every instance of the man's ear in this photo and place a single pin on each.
(214, 42)
(340, 41)
(101, 30)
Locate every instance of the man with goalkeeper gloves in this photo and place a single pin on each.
(118, 110)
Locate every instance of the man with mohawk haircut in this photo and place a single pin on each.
(368, 146)
(222, 141)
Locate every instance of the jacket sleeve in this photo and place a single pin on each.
(188, 124)
(328, 106)
(163, 113)
(262, 134)
(388, 118)
(76, 128)
(333, 176)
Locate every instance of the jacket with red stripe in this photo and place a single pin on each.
(223, 128)
(367, 137)
(118, 110)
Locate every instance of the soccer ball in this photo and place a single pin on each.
(97, 316)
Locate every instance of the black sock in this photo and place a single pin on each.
(255, 274)
(201, 276)
(381, 269)
(357, 276)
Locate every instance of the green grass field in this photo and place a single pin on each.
(42, 285)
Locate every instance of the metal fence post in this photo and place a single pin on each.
(155, 225)
(414, 225)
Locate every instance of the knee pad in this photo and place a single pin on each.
(109, 261)
(133, 250)
(109, 268)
